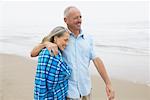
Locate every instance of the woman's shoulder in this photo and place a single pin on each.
(44, 51)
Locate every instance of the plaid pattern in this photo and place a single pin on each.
(51, 80)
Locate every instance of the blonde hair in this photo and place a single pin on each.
(57, 31)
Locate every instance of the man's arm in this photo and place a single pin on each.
(102, 71)
(50, 46)
(37, 49)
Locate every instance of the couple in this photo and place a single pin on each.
(65, 75)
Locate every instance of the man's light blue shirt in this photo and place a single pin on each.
(78, 54)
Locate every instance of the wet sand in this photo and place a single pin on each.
(17, 82)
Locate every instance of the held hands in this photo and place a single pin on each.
(110, 92)
(52, 47)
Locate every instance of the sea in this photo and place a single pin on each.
(124, 46)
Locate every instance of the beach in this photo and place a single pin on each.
(120, 32)
(17, 77)
(17, 82)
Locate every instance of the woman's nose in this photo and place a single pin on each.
(66, 43)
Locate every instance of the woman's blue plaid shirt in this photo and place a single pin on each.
(51, 80)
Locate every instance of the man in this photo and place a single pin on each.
(78, 54)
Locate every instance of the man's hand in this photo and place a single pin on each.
(110, 92)
(51, 47)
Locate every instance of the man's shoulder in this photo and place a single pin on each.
(88, 37)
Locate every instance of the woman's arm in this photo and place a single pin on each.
(50, 46)
(40, 78)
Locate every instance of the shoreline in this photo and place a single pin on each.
(17, 82)
(124, 90)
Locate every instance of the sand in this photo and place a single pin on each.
(17, 82)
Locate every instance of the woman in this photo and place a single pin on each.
(51, 80)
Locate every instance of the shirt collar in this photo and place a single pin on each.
(80, 34)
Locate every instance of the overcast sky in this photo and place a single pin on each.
(96, 11)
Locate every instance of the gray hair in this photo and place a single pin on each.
(66, 11)
(57, 31)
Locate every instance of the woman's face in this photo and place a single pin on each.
(62, 41)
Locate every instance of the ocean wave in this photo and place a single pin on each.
(123, 49)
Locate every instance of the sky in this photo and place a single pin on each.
(51, 12)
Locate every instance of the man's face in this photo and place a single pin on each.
(74, 19)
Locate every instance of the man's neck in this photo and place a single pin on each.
(75, 32)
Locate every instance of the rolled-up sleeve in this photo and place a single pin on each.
(92, 49)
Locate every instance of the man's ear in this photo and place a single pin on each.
(65, 19)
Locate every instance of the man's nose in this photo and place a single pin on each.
(79, 19)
